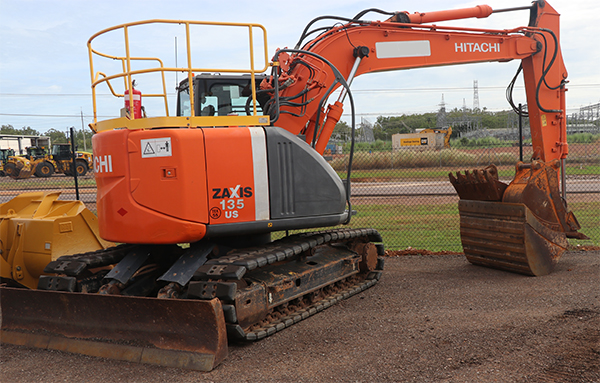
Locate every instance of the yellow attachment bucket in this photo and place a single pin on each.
(36, 228)
(24, 170)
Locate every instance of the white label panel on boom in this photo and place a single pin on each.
(400, 49)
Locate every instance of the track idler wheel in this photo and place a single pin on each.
(368, 253)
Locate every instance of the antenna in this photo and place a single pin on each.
(176, 72)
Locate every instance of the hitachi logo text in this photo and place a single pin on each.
(103, 164)
(476, 47)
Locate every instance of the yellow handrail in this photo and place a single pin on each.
(126, 61)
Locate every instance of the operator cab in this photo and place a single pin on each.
(221, 95)
(61, 152)
(35, 152)
(4, 154)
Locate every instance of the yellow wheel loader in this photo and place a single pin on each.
(4, 154)
(23, 166)
(41, 164)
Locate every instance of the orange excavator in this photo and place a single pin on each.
(193, 198)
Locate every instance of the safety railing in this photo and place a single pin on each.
(130, 121)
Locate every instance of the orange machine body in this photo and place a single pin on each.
(172, 183)
(180, 185)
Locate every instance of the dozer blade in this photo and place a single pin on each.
(507, 236)
(170, 332)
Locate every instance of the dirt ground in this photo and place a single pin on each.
(432, 318)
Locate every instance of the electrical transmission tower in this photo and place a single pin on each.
(441, 115)
(475, 96)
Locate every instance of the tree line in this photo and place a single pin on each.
(385, 126)
(56, 136)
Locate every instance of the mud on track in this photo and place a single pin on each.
(433, 318)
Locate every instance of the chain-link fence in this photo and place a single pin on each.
(405, 194)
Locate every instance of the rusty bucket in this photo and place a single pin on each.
(521, 227)
(507, 236)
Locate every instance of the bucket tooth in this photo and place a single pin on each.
(479, 185)
(521, 227)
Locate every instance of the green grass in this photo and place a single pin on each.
(431, 227)
(588, 215)
(436, 227)
(583, 170)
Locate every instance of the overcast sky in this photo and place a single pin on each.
(45, 76)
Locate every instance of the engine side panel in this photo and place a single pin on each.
(180, 185)
(168, 165)
(121, 217)
(302, 183)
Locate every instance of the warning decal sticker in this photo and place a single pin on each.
(156, 147)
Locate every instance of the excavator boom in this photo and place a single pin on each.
(394, 45)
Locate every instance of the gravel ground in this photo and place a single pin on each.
(430, 319)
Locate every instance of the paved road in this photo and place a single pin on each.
(410, 188)
(445, 188)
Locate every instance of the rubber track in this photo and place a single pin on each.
(100, 258)
(291, 246)
(292, 319)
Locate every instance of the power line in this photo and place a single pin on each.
(42, 115)
(50, 94)
(458, 88)
(62, 94)
(53, 115)
(354, 91)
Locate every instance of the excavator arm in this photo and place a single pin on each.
(402, 42)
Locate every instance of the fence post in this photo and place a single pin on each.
(74, 164)
(520, 133)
